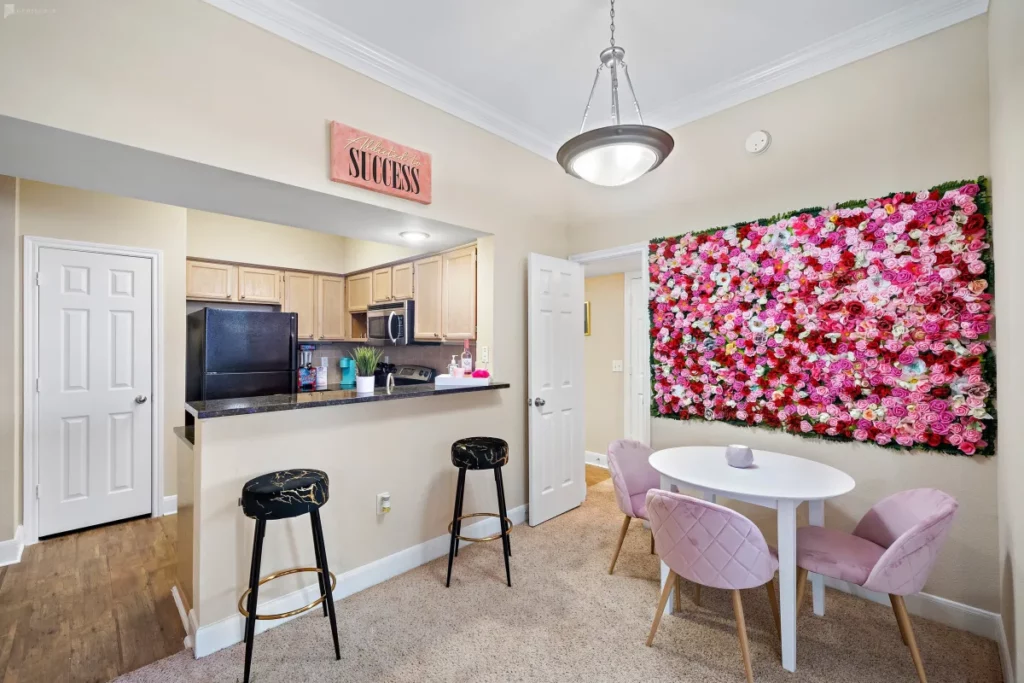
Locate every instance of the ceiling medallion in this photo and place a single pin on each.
(620, 153)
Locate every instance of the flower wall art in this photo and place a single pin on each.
(866, 321)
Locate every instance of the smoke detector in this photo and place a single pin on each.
(758, 141)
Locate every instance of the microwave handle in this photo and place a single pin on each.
(391, 318)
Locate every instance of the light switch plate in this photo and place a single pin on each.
(616, 366)
(484, 355)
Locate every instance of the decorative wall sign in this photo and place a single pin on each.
(866, 321)
(375, 163)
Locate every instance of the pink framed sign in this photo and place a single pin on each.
(378, 164)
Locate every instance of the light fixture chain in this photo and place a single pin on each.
(612, 15)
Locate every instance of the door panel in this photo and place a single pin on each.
(427, 276)
(259, 285)
(95, 358)
(330, 293)
(300, 298)
(381, 285)
(401, 282)
(557, 455)
(209, 281)
(459, 308)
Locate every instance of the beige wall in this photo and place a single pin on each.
(604, 388)
(1006, 79)
(65, 213)
(360, 254)
(10, 346)
(849, 133)
(206, 86)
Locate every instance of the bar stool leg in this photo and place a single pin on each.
(254, 587)
(321, 578)
(501, 500)
(505, 550)
(460, 489)
(458, 517)
(315, 514)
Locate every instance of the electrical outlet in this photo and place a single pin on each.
(383, 503)
(616, 366)
(485, 356)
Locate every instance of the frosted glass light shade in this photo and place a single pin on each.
(615, 155)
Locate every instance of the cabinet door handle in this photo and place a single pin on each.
(241, 296)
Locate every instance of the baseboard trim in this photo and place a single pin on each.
(955, 614)
(10, 551)
(597, 459)
(1004, 655)
(170, 506)
(227, 632)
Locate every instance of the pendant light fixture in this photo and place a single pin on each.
(619, 153)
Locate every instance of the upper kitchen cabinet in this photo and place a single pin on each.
(209, 281)
(330, 305)
(459, 291)
(427, 277)
(300, 297)
(360, 291)
(401, 282)
(259, 285)
(381, 285)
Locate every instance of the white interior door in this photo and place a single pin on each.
(557, 454)
(95, 415)
(638, 385)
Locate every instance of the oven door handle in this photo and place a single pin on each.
(394, 339)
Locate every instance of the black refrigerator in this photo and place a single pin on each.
(235, 354)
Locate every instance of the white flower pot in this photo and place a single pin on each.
(364, 385)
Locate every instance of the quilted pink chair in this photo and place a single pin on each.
(713, 546)
(632, 477)
(892, 550)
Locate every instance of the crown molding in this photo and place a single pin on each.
(311, 31)
(877, 35)
(304, 28)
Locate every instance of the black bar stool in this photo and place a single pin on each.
(480, 453)
(280, 495)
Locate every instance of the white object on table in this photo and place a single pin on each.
(449, 382)
(775, 480)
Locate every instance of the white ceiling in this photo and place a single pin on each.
(522, 69)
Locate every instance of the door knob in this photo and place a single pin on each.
(539, 402)
(141, 399)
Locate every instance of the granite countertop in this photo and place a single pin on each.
(186, 434)
(316, 399)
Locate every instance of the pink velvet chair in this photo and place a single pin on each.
(632, 477)
(713, 546)
(892, 550)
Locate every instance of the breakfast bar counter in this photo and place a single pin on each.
(316, 399)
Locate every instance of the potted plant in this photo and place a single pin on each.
(366, 358)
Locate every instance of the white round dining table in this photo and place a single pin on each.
(775, 480)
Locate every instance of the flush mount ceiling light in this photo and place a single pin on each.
(413, 236)
(619, 153)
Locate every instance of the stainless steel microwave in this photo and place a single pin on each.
(391, 324)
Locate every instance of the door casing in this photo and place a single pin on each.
(30, 367)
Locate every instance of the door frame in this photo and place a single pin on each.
(639, 250)
(30, 365)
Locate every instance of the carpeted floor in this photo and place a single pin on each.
(566, 619)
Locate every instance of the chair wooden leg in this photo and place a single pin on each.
(670, 582)
(678, 600)
(622, 537)
(741, 631)
(773, 600)
(801, 588)
(900, 608)
(652, 540)
(899, 622)
(696, 594)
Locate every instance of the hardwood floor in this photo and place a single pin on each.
(90, 606)
(595, 475)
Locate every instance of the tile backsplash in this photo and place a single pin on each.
(436, 357)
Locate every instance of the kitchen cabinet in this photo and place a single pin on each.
(458, 310)
(360, 291)
(259, 285)
(427, 278)
(401, 282)
(381, 285)
(209, 281)
(300, 297)
(330, 308)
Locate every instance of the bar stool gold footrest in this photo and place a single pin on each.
(486, 538)
(285, 615)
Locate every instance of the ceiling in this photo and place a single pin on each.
(523, 69)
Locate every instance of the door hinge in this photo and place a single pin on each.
(37, 278)
(37, 491)
(37, 385)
